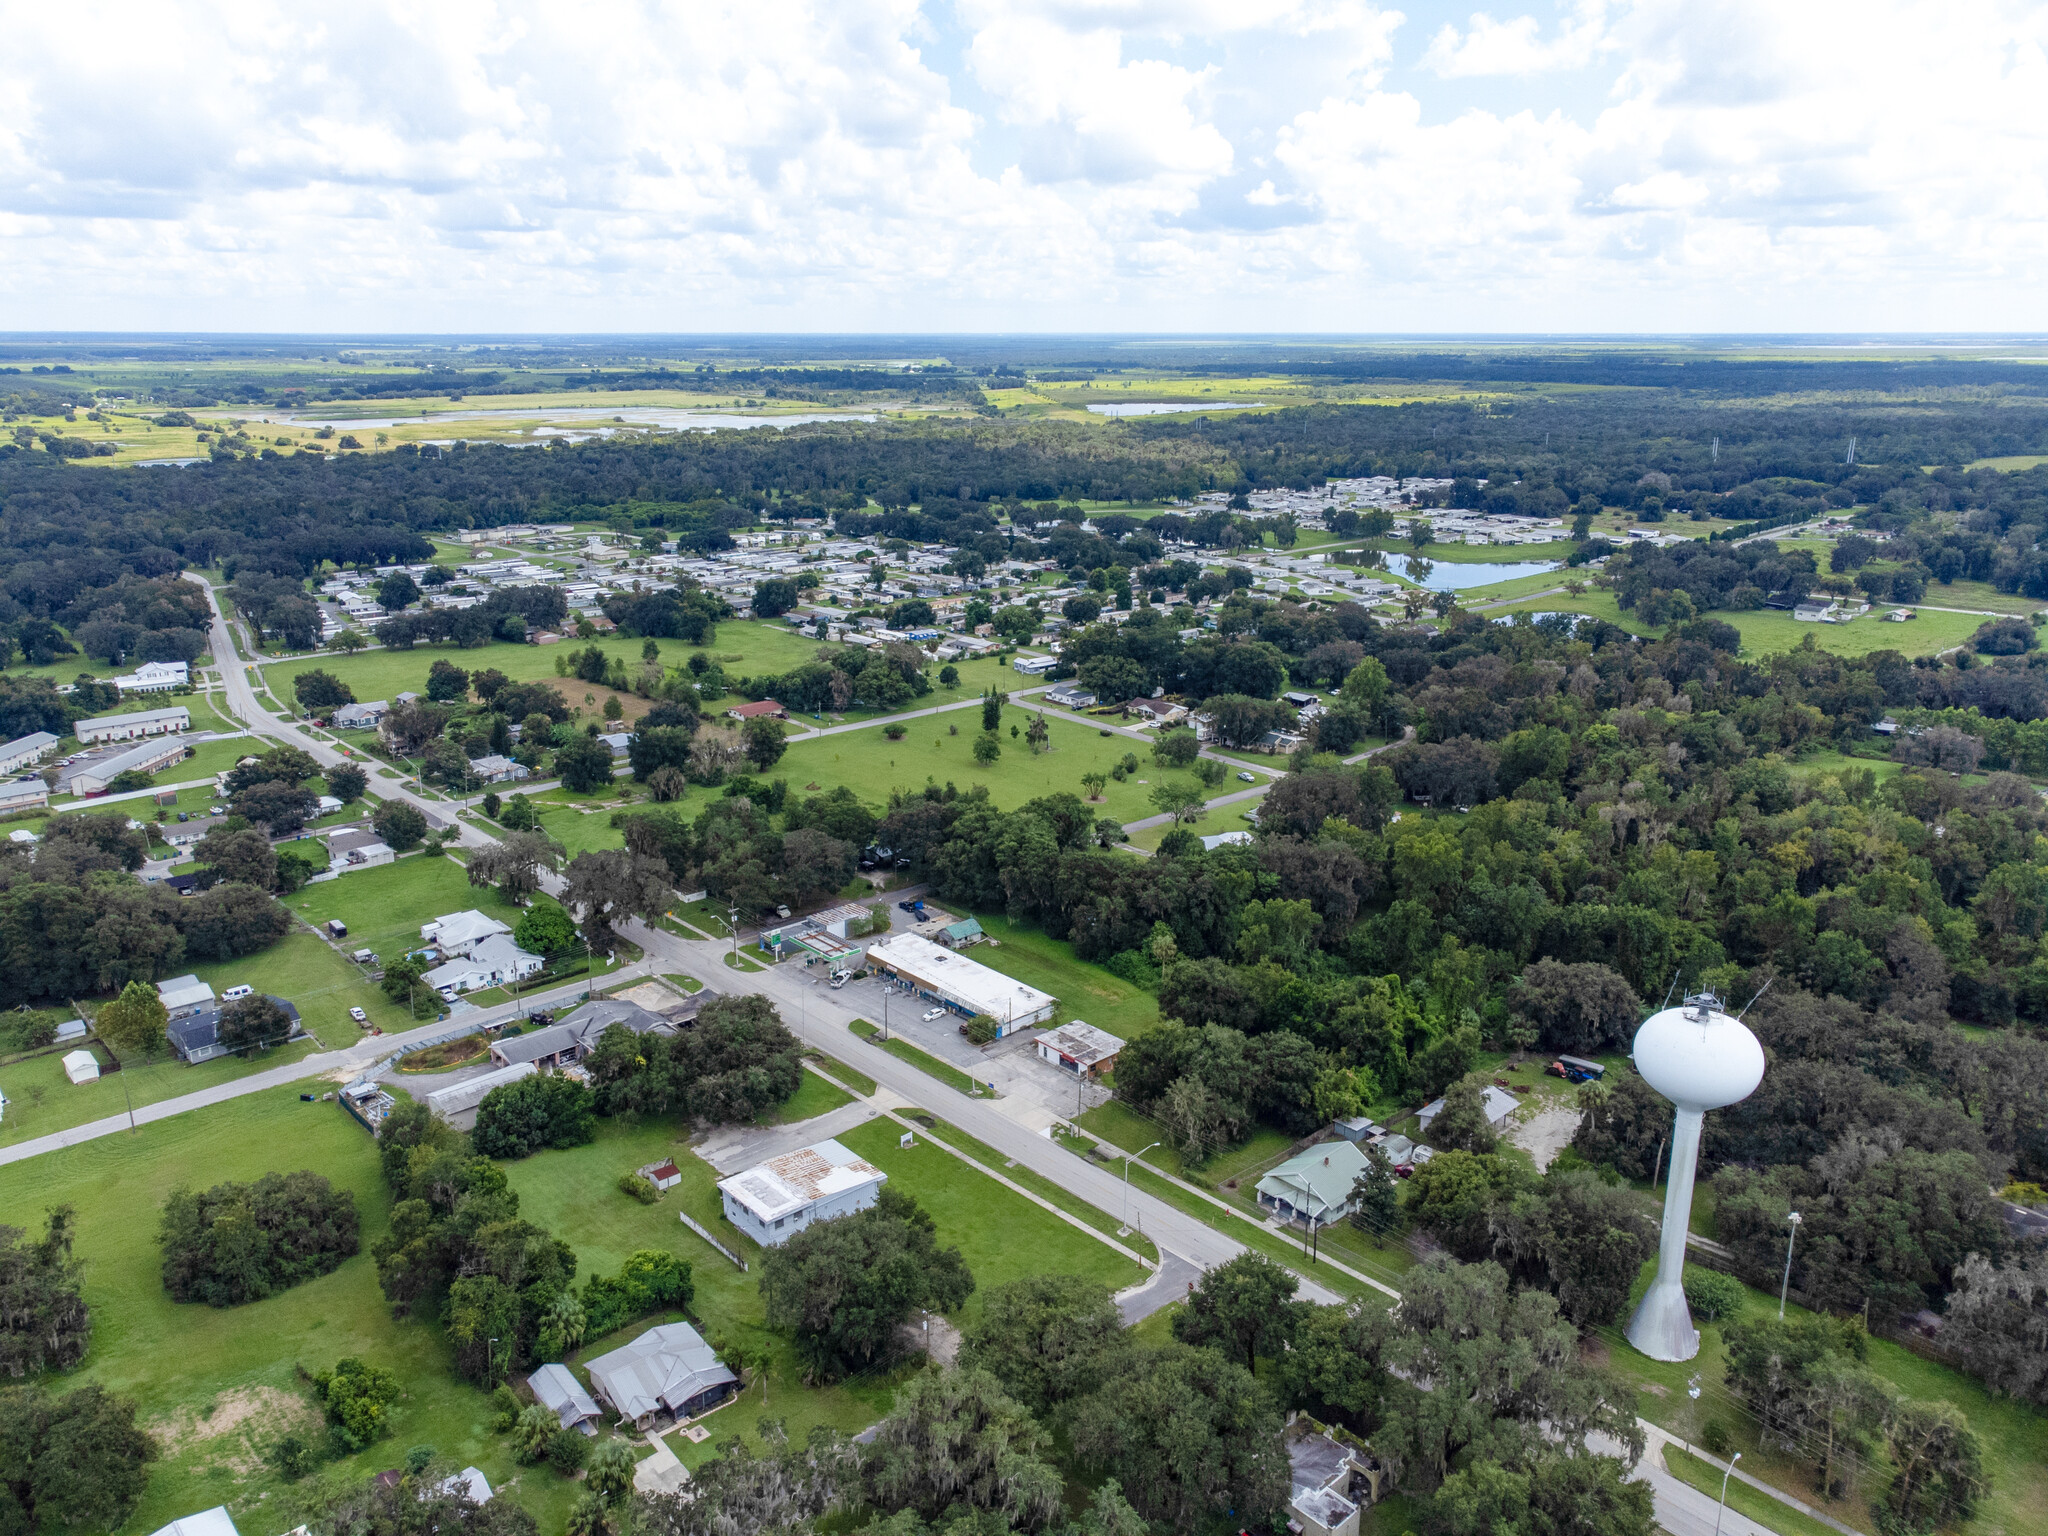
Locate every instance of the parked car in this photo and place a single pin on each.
(1248, 777)
(359, 1016)
(840, 979)
(934, 1013)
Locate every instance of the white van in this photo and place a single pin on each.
(234, 993)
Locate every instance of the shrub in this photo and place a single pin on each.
(1715, 1438)
(356, 1396)
(566, 1450)
(895, 732)
(983, 1028)
(532, 1432)
(639, 1188)
(1712, 1295)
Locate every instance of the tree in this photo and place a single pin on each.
(1245, 1307)
(44, 1322)
(1549, 1495)
(447, 683)
(1461, 1125)
(609, 885)
(397, 591)
(317, 689)
(1177, 748)
(1376, 1198)
(1182, 799)
(515, 864)
(347, 783)
(584, 763)
(1938, 1476)
(245, 856)
(531, 1431)
(356, 1397)
(987, 749)
(280, 806)
(739, 1060)
(79, 1460)
(1366, 686)
(133, 1023)
(400, 824)
(782, 1488)
(1993, 1321)
(1037, 734)
(992, 703)
(1580, 1010)
(241, 1242)
(254, 1021)
(843, 1288)
(545, 1110)
(1579, 1237)
(544, 930)
(765, 742)
(230, 921)
(958, 1439)
(1188, 1435)
(774, 598)
(1047, 1338)
(609, 1472)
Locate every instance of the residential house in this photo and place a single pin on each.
(1314, 1186)
(667, 1370)
(1080, 1048)
(1332, 1476)
(620, 743)
(155, 677)
(456, 932)
(764, 709)
(1277, 742)
(576, 1035)
(359, 717)
(1034, 666)
(354, 848)
(773, 1202)
(23, 750)
(208, 1522)
(1499, 1105)
(184, 994)
(1069, 696)
(496, 769)
(196, 1036)
(556, 1389)
(1159, 712)
(961, 935)
(492, 962)
(1224, 839)
(132, 727)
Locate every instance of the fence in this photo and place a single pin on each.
(698, 1228)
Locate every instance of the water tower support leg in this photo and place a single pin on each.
(1662, 1326)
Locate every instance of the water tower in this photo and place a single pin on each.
(1700, 1059)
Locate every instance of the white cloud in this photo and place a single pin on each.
(1257, 164)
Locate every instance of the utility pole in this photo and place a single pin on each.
(1127, 1184)
(1786, 1284)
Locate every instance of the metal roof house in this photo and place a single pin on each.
(556, 1389)
(23, 750)
(196, 1036)
(208, 1522)
(1314, 1185)
(458, 1098)
(575, 1036)
(1499, 1105)
(669, 1369)
(774, 1201)
(183, 994)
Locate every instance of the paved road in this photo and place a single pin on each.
(824, 1023)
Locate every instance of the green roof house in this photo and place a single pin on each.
(1314, 1186)
(961, 934)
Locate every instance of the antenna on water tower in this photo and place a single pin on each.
(1699, 1058)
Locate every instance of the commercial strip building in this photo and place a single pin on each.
(773, 1202)
(955, 982)
(132, 727)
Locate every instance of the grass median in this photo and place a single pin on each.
(905, 1052)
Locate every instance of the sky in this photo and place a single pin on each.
(1025, 165)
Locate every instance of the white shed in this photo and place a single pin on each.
(82, 1067)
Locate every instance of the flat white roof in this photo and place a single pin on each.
(140, 716)
(797, 1179)
(972, 983)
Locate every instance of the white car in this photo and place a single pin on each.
(359, 1016)
(1248, 777)
(935, 1013)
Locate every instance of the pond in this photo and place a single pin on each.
(1168, 407)
(1448, 576)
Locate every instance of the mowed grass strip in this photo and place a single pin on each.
(926, 1063)
(1770, 1513)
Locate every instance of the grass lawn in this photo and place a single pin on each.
(306, 970)
(385, 907)
(1742, 1498)
(839, 1071)
(219, 1386)
(1085, 991)
(1769, 632)
(872, 765)
(814, 1096)
(42, 1100)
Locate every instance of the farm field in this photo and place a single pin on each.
(872, 765)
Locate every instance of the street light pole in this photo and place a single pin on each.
(1127, 1182)
(1718, 1513)
(1786, 1285)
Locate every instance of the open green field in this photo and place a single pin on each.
(872, 765)
(1086, 992)
(219, 1386)
(2012, 463)
(1768, 632)
(41, 1100)
(1514, 586)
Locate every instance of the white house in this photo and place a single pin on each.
(208, 1522)
(184, 994)
(458, 932)
(667, 1369)
(773, 1202)
(82, 1066)
(1034, 666)
(24, 795)
(359, 717)
(354, 848)
(1314, 1186)
(491, 962)
(155, 677)
(496, 769)
(144, 722)
(23, 750)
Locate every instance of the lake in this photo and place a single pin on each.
(1448, 576)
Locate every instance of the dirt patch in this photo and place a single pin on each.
(449, 1053)
(652, 995)
(943, 1339)
(1546, 1133)
(245, 1414)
